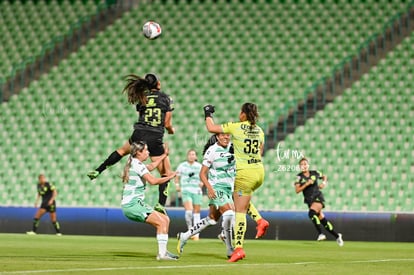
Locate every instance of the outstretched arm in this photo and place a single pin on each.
(211, 127)
(156, 181)
(151, 166)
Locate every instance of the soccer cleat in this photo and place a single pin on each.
(168, 256)
(238, 254)
(181, 242)
(159, 208)
(93, 174)
(31, 233)
(261, 228)
(59, 234)
(222, 237)
(195, 238)
(339, 240)
(321, 237)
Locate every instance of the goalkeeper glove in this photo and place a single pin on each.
(208, 111)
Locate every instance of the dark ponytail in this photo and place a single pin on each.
(252, 114)
(137, 87)
(211, 141)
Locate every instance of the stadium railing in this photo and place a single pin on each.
(53, 51)
(345, 71)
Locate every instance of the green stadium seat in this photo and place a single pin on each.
(87, 117)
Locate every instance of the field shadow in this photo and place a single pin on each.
(210, 255)
(131, 254)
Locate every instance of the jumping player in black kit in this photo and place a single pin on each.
(155, 115)
(307, 183)
(48, 193)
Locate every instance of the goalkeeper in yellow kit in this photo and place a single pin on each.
(248, 141)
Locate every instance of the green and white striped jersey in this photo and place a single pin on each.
(135, 187)
(222, 166)
(189, 177)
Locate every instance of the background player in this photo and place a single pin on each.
(307, 183)
(48, 193)
(133, 204)
(154, 109)
(188, 183)
(248, 141)
(217, 174)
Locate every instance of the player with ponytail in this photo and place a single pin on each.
(135, 177)
(154, 109)
(217, 174)
(248, 142)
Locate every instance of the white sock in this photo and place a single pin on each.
(196, 219)
(189, 218)
(162, 243)
(197, 228)
(228, 219)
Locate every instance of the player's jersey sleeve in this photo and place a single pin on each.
(52, 187)
(229, 127)
(138, 169)
(170, 104)
(208, 157)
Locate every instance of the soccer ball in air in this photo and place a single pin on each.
(151, 30)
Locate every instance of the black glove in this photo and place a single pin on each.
(208, 111)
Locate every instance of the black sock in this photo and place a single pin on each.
(328, 226)
(162, 193)
(317, 223)
(57, 226)
(113, 158)
(35, 224)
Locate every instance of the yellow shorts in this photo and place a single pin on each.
(248, 180)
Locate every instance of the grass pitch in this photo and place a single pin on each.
(50, 254)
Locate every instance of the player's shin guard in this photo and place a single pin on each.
(239, 230)
(113, 158)
(163, 193)
(35, 224)
(228, 218)
(189, 218)
(200, 226)
(329, 227)
(315, 220)
(253, 213)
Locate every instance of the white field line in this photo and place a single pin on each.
(172, 267)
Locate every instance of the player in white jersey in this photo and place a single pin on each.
(136, 175)
(188, 183)
(217, 174)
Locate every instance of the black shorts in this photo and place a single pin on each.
(153, 139)
(49, 208)
(319, 198)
